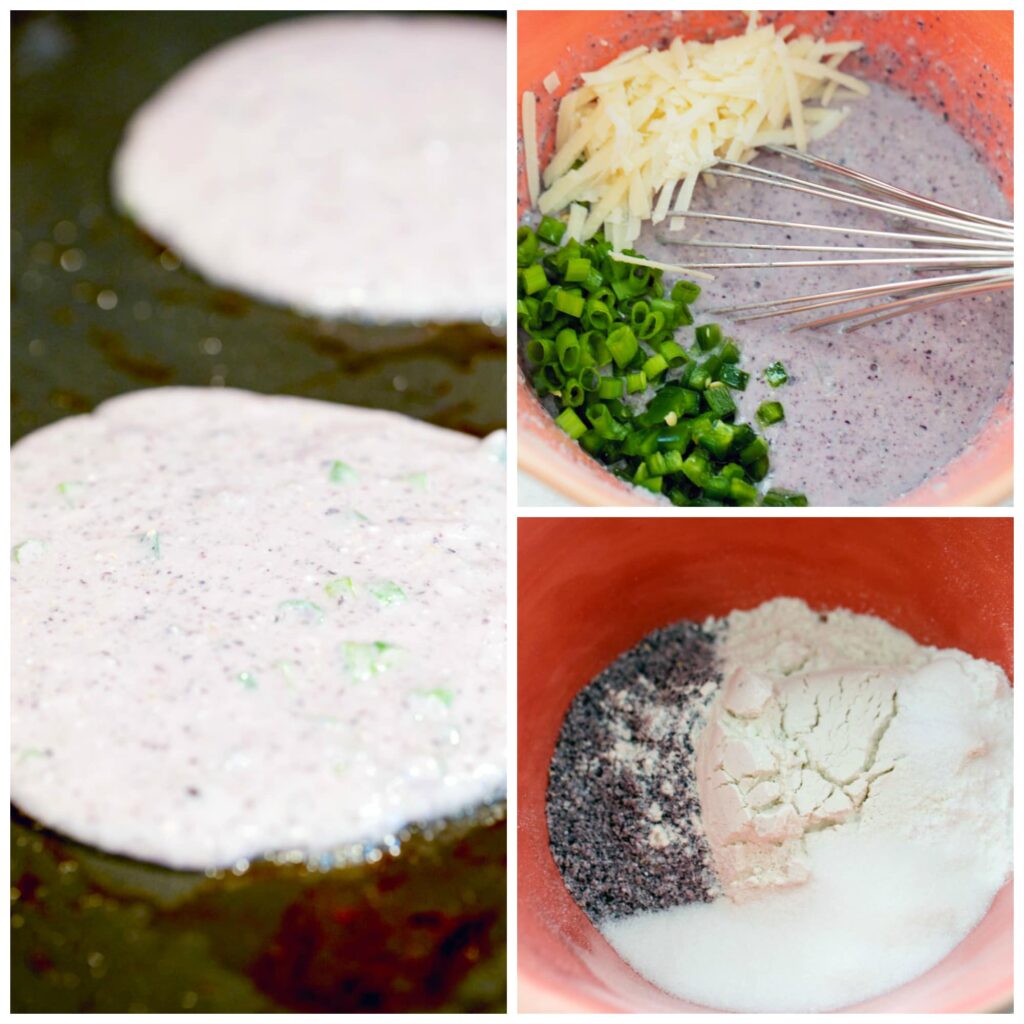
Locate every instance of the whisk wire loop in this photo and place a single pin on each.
(972, 254)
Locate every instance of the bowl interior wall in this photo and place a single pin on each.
(591, 589)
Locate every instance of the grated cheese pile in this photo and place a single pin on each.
(639, 131)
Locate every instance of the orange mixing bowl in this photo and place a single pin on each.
(589, 589)
(973, 77)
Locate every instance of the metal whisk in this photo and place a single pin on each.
(956, 252)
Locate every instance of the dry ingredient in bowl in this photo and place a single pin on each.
(852, 820)
(247, 624)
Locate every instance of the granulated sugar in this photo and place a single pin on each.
(622, 803)
(875, 913)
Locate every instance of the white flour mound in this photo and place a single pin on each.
(856, 794)
(340, 165)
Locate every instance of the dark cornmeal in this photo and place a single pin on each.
(622, 804)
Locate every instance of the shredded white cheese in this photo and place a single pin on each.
(577, 218)
(633, 139)
(530, 146)
(639, 261)
(552, 82)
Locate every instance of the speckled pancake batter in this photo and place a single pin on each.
(245, 624)
(340, 165)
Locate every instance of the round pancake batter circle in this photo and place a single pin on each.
(343, 166)
(246, 624)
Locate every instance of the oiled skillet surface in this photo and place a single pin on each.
(422, 931)
(76, 79)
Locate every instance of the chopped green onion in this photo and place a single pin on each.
(570, 302)
(713, 364)
(527, 246)
(540, 351)
(730, 353)
(674, 436)
(340, 473)
(304, 611)
(534, 279)
(638, 313)
(685, 292)
(673, 353)
(770, 412)
(656, 464)
(70, 490)
(597, 315)
(655, 366)
(670, 400)
(784, 499)
(719, 400)
(151, 540)
(554, 376)
(571, 423)
(622, 344)
(733, 376)
(741, 492)
(716, 438)
(573, 394)
(27, 551)
(340, 587)
(439, 693)
(248, 680)
(611, 387)
(387, 592)
(604, 423)
(567, 347)
(636, 382)
(576, 270)
(696, 468)
(363, 661)
(590, 379)
(776, 375)
(602, 354)
(708, 336)
(758, 470)
(551, 230)
(717, 487)
(673, 461)
(698, 377)
(757, 449)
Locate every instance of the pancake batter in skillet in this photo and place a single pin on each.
(246, 624)
(343, 166)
